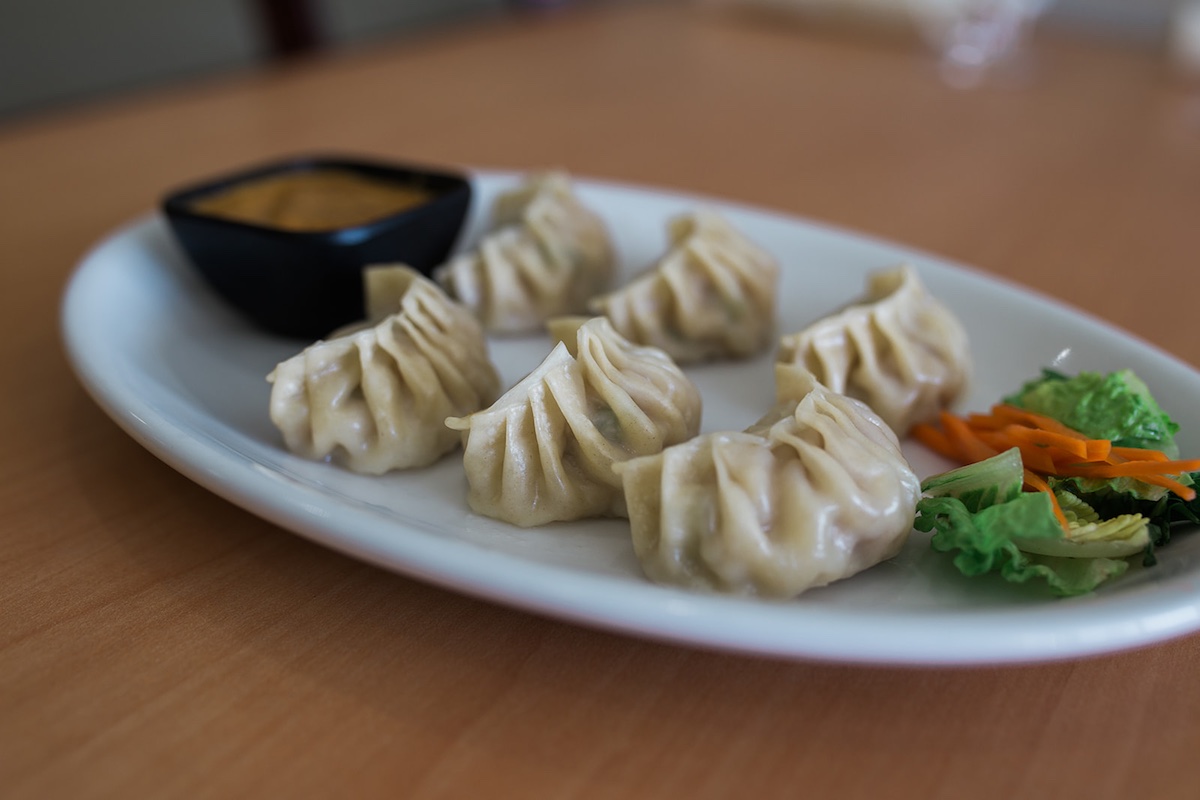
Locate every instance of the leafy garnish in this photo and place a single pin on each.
(985, 483)
(987, 541)
(1117, 406)
(1088, 535)
(1099, 456)
(1162, 514)
(1049, 449)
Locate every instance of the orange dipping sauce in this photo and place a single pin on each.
(312, 200)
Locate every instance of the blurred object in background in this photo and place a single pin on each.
(1143, 21)
(61, 51)
(291, 27)
(349, 21)
(869, 16)
(1183, 46)
(1134, 21)
(976, 38)
(972, 39)
(54, 52)
(537, 5)
(1183, 40)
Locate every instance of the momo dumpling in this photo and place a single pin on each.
(711, 296)
(384, 287)
(899, 350)
(545, 255)
(376, 399)
(814, 492)
(544, 452)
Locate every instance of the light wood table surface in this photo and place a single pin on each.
(156, 640)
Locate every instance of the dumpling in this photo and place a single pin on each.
(814, 492)
(545, 451)
(899, 350)
(376, 400)
(384, 287)
(546, 255)
(711, 296)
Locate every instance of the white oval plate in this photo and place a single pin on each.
(184, 376)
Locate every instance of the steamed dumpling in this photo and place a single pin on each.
(814, 492)
(711, 296)
(545, 451)
(375, 400)
(546, 255)
(898, 350)
(384, 287)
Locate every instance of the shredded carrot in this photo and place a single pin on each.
(1050, 448)
(1035, 482)
(1129, 469)
(1139, 454)
(935, 440)
(1034, 457)
(965, 441)
(1049, 439)
(1024, 417)
(1186, 492)
(986, 422)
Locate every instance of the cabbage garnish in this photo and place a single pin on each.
(980, 511)
(987, 541)
(1162, 513)
(1089, 536)
(985, 483)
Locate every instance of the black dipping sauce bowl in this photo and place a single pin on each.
(304, 284)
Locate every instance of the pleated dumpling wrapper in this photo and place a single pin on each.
(899, 350)
(814, 492)
(545, 255)
(376, 399)
(544, 452)
(712, 296)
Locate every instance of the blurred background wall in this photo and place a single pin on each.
(60, 51)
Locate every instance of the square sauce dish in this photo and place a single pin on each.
(285, 242)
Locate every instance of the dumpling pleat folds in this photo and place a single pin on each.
(899, 350)
(711, 296)
(375, 400)
(546, 255)
(816, 491)
(545, 451)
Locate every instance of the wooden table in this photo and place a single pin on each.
(158, 641)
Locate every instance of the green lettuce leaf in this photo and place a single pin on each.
(982, 484)
(986, 541)
(1117, 406)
